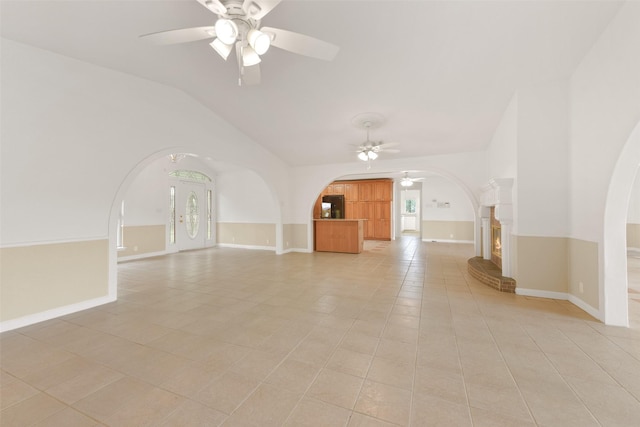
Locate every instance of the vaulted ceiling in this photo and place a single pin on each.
(440, 72)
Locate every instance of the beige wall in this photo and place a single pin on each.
(448, 230)
(143, 239)
(34, 279)
(541, 263)
(584, 267)
(633, 236)
(246, 234)
(295, 236)
(557, 264)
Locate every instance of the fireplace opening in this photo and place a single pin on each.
(496, 244)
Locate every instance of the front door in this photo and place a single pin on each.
(191, 222)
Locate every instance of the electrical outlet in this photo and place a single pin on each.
(451, 236)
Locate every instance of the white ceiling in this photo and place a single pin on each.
(441, 72)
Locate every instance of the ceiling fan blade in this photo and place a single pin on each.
(384, 145)
(251, 75)
(214, 6)
(257, 9)
(301, 44)
(183, 35)
(389, 151)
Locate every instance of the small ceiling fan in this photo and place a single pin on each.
(369, 150)
(238, 27)
(408, 182)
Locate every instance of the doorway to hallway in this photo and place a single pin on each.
(410, 212)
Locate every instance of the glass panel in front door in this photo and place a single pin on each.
(192, 215)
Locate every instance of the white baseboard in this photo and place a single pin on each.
(233, 245)
(142, 256)
(560, 296)
(586, 307)
(542, 294)
(31, 319)
(426, 239)
(304, 251)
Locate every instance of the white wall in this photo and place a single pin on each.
(146, 202)
(605, 107)
(633, 214)
(242, 196)
(604, 153)
(443, 190)
(502, 154)
(542, 157)
(74, 138)
(502, 151)
(74, 135)
(530, 145)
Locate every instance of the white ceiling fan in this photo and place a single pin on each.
(406, 181)
(369, 150)
(238, 27)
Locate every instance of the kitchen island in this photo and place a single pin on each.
(339, 235)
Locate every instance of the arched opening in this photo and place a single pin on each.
(448, 211)
(614, 284)
(208, 199)
(633, 254)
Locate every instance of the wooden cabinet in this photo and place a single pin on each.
(339, 235)
(337, 188)
(351, 192)
(382, 220)
(367, 209)
(352, 210)
(364, 199)
(365, 191)
(382, 191)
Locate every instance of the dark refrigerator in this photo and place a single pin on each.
(333, 207)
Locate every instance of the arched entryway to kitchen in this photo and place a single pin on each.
(441, 208)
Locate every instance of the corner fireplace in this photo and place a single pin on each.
(492, 263)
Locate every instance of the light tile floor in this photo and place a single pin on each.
(398, 335)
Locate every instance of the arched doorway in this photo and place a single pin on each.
(633, 254)
(195, 203)
(451, 229)
(614, 289)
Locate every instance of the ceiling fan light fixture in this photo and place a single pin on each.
(226, 30)
(363, 156)
(372, 155)
(249, 56)
(406, 182)
(223, 49)
(259, 41)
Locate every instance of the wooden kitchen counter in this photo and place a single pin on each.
(339, 235)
